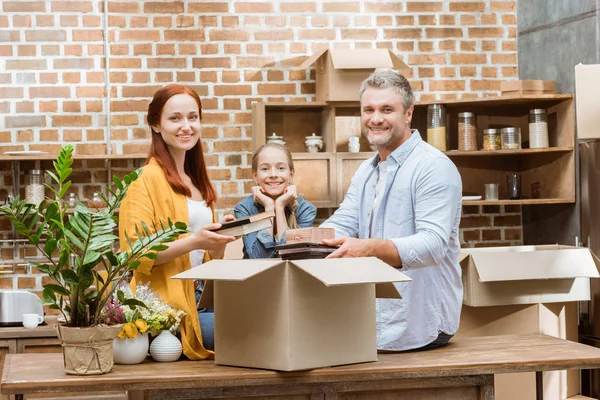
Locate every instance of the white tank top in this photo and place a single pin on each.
(199, 215)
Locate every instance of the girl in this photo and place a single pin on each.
(174, 184)
(273, 171)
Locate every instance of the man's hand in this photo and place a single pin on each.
(385, 250)
(350, 247)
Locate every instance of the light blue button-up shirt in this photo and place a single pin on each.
(420, 213)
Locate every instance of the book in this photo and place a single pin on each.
(303, 251)
(246, 225)
(309, 235)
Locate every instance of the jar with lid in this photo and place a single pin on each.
(511, 138)
(34, 187)
(491, 139)
(538, 128)
(467, 131)
(436, 126)
(72, 200)
(275, 139)
(97, 200)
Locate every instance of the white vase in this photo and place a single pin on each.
(166, 347)
(130, 350)
(353, 144)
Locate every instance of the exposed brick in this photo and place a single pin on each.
(229, 35)
(316, 34)
(510, 58)
(491, 234)
(211, 62)
(423, 59)
(502, 6)
(507, 220)
(253, 62)
(468, 58)
(166, 7)
(468, 45)
(253, 7)
(266, 89)
(468, 19)
(24, 6)
(196, 35)
(352, 7)
(485, 32)
(447, 19)
(71, 120)
(467, 6)
(139, 91)
(232, 90)
(443, 32)
(49, 92)
(486, 85)
(475, 222)
(298, 7)
(140, 35)
(88, 35)
(427, 20)
(512, 234)
(74, 63)
(25, 64)
(274, 34)
(470, 210)
(424, 6)
(72, 6)
(125, 63)
(45, 35)
(359, 34)
(383, 7)
(489, 19)
(23, 121)
(403, 33)
(472, 235)
(446, 85)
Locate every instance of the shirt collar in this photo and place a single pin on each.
(403, 151)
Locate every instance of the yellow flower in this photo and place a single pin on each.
(122, 334)
(141, 325)
(130, 330)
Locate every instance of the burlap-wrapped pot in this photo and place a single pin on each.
(88, 351)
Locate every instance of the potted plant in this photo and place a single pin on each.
(82, 260)
(131, 345)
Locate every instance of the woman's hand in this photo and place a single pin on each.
(205, 239)
(260, 197)
(288, 197)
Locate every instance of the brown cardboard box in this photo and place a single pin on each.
(528, 87)
(527, 274)
(555, 319)
(340, 72)
(296, 315)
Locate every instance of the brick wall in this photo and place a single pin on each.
(58, 82)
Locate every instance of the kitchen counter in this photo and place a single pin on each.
(41, 331)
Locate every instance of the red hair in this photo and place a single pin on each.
(194, 164)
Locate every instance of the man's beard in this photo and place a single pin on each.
(383, 142)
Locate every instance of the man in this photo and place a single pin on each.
(403, 206)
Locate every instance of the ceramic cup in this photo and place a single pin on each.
(32, 320)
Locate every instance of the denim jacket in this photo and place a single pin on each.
(260, 244)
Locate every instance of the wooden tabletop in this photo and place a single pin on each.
(29, 373)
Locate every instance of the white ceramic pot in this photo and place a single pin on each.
(166, 347)
(130, 350)
(313, 143)
(353, 144)
(275, 139)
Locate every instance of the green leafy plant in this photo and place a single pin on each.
(80, 247)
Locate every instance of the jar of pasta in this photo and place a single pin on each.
(511, 138)
(467, 132)
(491, 139)
(436, 126)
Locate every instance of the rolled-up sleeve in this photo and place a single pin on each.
(437, 203)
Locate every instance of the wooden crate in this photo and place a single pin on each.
(528, 87)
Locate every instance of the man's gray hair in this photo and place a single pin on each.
(385, 79)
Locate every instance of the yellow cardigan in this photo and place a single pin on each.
(150, 198)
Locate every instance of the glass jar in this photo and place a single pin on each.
(34, 187)
(436, 126)
(72, 201)
(511, 138)
(467, 131)
(491, 139)
(538, 128)
(97, 200)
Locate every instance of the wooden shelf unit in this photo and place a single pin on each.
(551, 171)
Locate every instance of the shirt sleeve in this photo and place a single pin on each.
(437, 207)
(256, 244)
(345, 219)
(135, 208)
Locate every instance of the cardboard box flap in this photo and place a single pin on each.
(365, 59)
(548, 264)
(348, 271)
(229, 270)
(587, 86)
(312, 59)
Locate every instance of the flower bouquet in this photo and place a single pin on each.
(144, 313)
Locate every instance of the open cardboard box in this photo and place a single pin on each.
(295, 315)
(527, 289)
(340, 72)
(494, 276)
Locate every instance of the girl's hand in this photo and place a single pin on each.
(260, 197)
(227, 218)
(208, 240)
(288, 196)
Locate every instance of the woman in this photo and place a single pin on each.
(174, 184)
(273, 171)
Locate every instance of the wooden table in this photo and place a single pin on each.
(464, 369)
